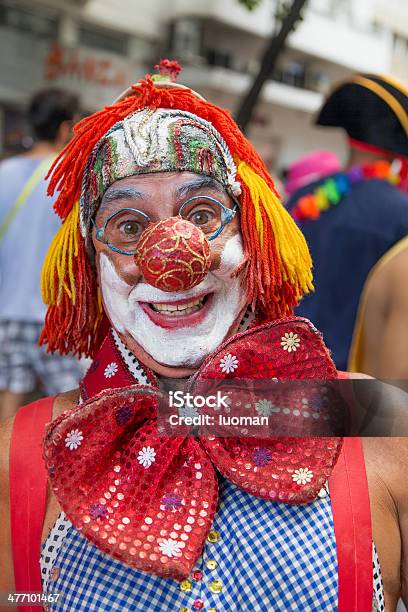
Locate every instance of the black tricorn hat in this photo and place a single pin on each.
(372, 109)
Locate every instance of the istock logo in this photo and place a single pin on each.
(178, 399)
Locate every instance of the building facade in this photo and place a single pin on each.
(96, 47)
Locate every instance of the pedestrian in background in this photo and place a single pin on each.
(352, 218)
(27, 226)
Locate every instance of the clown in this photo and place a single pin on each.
(176, 260)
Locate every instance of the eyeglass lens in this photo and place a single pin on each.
(125, 228)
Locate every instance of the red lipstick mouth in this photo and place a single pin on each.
(179, 313)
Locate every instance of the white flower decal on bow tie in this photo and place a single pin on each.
(302, 476)
(264, 407)
(188, 412)
(170, 548)
(74, 439)
(111, 369)
(146, 456)
(228, 363)
(290, 342)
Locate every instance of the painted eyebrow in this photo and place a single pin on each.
(121, 193)
(198, 183)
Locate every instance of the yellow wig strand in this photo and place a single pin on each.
(281, 243)
(75, 321)
(58, 270)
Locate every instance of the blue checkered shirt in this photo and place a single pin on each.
(270, 557)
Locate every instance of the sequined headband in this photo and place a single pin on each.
(155, 140)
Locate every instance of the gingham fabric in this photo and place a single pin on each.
(378, 601)
(269, 558)
(24, 365)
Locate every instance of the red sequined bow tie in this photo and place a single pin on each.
(149, 500)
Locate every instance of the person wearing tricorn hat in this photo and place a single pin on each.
(176, 258)
(352, 218)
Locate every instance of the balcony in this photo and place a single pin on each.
(228, 63)
(348, 41)
(234, 84)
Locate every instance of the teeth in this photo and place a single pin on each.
(176, 309)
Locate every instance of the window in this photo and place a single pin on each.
(186, 38)
(38, 23)
(104, 40)
(400, 45)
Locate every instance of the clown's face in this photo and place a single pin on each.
(175, 330)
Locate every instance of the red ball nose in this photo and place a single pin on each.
(173, 255)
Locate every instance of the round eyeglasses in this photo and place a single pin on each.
(122, 230)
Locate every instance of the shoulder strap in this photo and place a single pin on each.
(28, 492)
(25, 193)
(352, 525)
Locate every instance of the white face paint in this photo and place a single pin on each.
(183, 346)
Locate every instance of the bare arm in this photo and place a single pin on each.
(6, 562)
(393, 362)
(399, 491)
(386, 321)
(7, 584)
(402, 507)
(387, 464)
